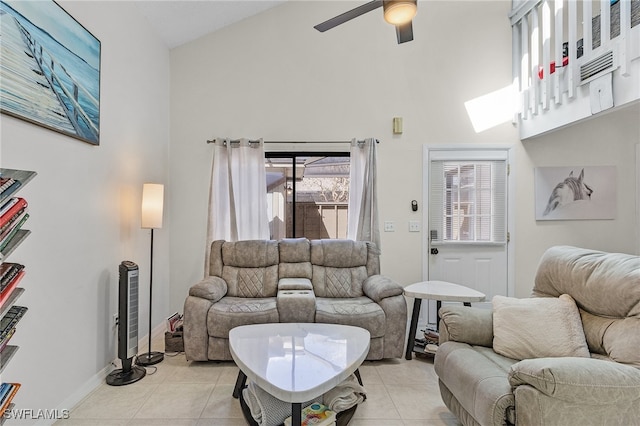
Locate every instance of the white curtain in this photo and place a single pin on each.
(363, 198)
(238, 193)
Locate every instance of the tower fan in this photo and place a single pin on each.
(127, 327)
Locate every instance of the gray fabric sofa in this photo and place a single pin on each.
(293, 280)
(482, 387)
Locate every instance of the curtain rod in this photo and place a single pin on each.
(285, 142)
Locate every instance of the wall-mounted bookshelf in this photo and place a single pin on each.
(13, 215)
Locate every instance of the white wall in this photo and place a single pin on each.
(274, 76)
(85, 214)
(607, 140)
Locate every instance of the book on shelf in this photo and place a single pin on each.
(14, 208)
(5, 341)
(7, 392)
(10, 233)
(6, 292)
(12, 221)
(315, 414)
(8, 186)
(10, 319)
(5, 182)
(6, 206)
(4, 391)
(8, 270)
(10, 189)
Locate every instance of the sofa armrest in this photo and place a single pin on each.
(584, 381)
(378, 287)
(210, 288)
(466, 324)
(389, 295)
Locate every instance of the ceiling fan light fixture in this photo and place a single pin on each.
(398, 12)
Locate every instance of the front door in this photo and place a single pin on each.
(467, 228)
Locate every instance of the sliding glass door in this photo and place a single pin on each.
(307, 194)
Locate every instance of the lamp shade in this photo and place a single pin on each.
(152, 203)
(398, 12)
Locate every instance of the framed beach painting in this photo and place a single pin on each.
(50, 73)
(570, 193)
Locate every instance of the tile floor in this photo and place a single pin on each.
(183, 393)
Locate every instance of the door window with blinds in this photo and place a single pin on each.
(468, 201)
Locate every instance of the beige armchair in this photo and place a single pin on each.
(598, 387)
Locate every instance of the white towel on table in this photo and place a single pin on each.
(344, 396)
(266, 409)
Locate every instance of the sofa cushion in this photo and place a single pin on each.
(339, 253)
(294, 250)
(230, 312)
(605, 288)
(590, 276)
(468, 324)
(250, 268)
(339, 267)
(295, 270)
(295, 258)
(251, 282)
(614, 339)
(538, 327)
(250, 253)
(338, 282)
(358, 311)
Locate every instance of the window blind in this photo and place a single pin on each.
(468, 201)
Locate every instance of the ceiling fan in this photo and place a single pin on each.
(396, 12)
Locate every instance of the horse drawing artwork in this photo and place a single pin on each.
(568, 191)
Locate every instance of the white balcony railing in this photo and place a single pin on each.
(569, 64)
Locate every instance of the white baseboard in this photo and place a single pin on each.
(100, 377)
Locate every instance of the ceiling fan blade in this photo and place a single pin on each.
(347, 16)
(404, 32)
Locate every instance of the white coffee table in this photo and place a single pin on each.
(296, 362)
(441, 291)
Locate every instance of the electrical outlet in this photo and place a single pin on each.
(116, 320)
(389, 226)
(414, 226)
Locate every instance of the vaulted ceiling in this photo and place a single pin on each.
(180, 21)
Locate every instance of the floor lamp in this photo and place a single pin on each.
(152, 202)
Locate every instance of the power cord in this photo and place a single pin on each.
(151, 369)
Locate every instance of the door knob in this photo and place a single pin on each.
(434, 251)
